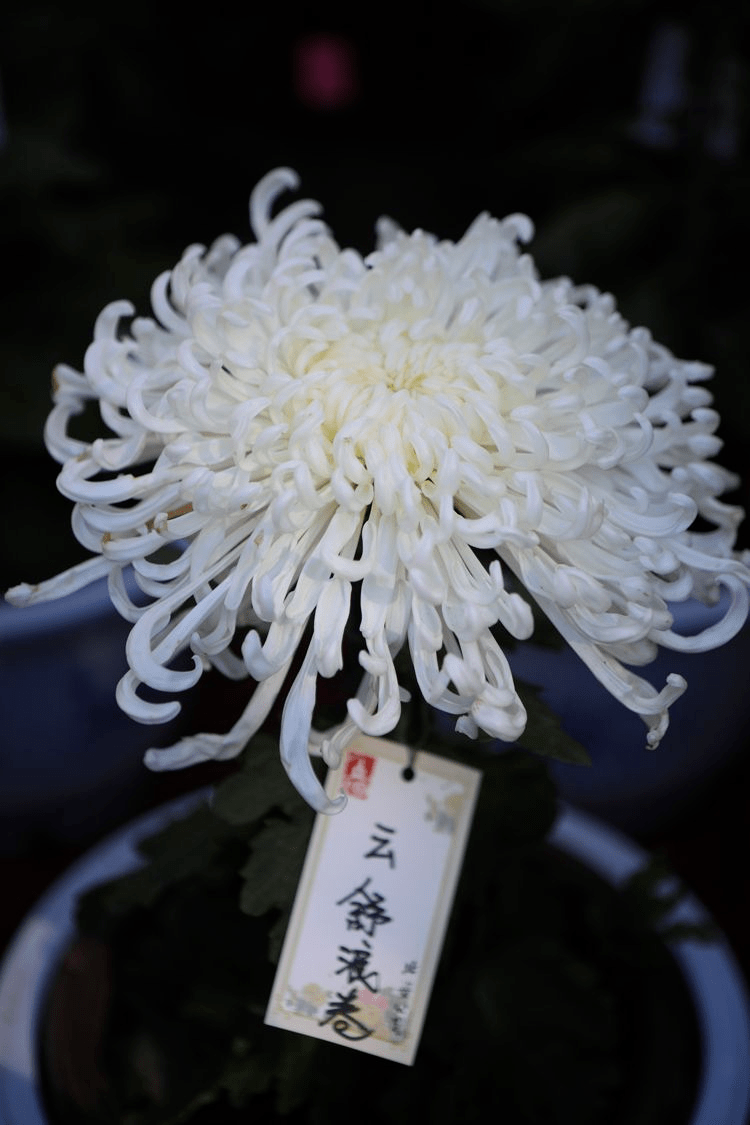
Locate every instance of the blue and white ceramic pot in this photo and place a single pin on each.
(70, 759)
(711, 975)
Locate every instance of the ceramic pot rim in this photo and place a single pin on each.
(711, 973)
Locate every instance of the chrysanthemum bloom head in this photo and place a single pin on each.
(300, 419)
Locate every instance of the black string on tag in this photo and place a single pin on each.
(408, 772)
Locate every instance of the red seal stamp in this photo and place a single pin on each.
(357, 774)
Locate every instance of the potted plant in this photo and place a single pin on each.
(417, 451)
(102, 1021)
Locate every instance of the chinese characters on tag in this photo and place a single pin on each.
(364, 938)
(366, 911)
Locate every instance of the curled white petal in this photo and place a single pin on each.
(304, 429)
(296, 722)
(76, 578)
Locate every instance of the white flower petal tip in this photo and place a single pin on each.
(297, 421)
(331, 806)
(20, 595)
(79, 576)
(186, 752)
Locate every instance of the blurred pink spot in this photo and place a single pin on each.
(325, 71)
(366, 997)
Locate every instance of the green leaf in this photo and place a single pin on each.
(245, 1076)
(184, 1114)
(704, 932)
(182, 849)
(259, 786)
(654, 902)
(517, 804)
(272, 872)
(544, 734)
(276, 935)
(295, 1072)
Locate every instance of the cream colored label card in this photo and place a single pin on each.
(373, 903)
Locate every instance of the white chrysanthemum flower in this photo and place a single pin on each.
(304, 419)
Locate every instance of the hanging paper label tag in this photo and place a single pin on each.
(372, 906)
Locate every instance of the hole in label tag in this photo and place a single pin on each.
(408, 773)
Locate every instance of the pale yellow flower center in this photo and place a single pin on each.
(383, 377)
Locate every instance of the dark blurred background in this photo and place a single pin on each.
(620, 127)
